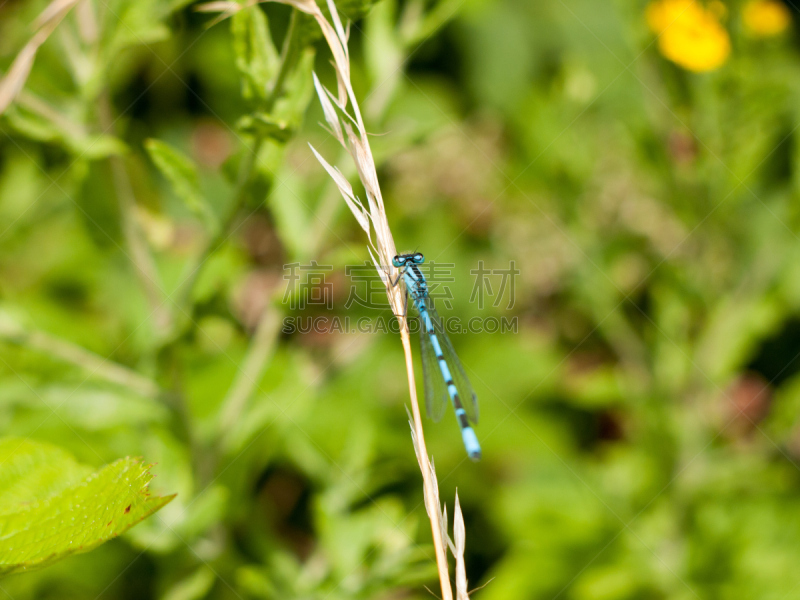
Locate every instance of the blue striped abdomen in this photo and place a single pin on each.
(467, 433)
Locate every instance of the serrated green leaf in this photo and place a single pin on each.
(256, 56)
(34, 470)
(182, 175)
(51, 506)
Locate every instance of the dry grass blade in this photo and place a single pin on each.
(11, 85)
(17, 75)
(54, 12)
(222, 7)
(347, 126)
(353, 203)
(225, 8)
(460, 542)
(87, 22)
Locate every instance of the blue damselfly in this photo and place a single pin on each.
(443, 374)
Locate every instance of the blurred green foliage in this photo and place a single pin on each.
(640, 430)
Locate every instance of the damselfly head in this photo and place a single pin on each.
(405, 259)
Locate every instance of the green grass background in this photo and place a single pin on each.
(640, 429)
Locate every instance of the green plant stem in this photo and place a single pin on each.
(73, 354)
(258, 354)
(184, 292)
(289, 55)
(137, 250)
(35, 104)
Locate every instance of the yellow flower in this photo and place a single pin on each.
(690, 34)
(763, 18)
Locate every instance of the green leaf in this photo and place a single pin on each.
(135, 23)
(264, 125)
(256, 56)
(100, 217)
(34, 470)
(733, 331)
(51, 506)
(182, 175)
(76, 141)
(193, 587)
(31, 126)
(97, 147)
(298, 90)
